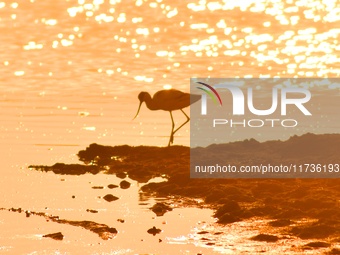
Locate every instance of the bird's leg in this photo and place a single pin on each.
(171, 140)
(183, 123)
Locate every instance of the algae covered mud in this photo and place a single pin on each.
(292, 216)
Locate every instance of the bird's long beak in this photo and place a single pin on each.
(140, 104)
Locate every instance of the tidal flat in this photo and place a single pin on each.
(294, 215)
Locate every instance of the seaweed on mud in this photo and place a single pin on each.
(315, 230)
(56, 236)
(281, 223)
(103, 231)
(265, 238)
(334, 251)
(316, 245)
(284, 200)
(69, 169)
(160, 209)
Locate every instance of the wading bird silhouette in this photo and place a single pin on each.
(168, 100)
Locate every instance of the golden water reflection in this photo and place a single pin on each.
(207, 38)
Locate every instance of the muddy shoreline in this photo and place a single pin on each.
(284, 201)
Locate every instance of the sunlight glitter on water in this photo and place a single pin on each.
(235, 238)
(250, 46)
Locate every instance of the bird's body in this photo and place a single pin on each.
(168, 100)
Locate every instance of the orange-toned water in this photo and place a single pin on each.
(70, 75)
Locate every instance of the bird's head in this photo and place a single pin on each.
(141, 98)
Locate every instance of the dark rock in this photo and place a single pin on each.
(203, 232)
(265, 238)
(230, 207)
(165, 188)
(56, 236)
(154, 231)
(91, 211)
(19, 210)
(328, 213)
(271, 187)
(205, 239)
(112, 186)
(334, 251)
(121, 175)
(140, 176)
(97, 187)
(221, 192)
(121, 220)
(291, 213)
(280, 223)
(110, 198)
(71, 169)
(317, 245)
(313, 203)
(246, 214)
(314, 231)
(213, 197)
(264, 210)
(228, 218)
(112, 230)
(160, 209)
(299, 192)
(192, 191)
(124, 184)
